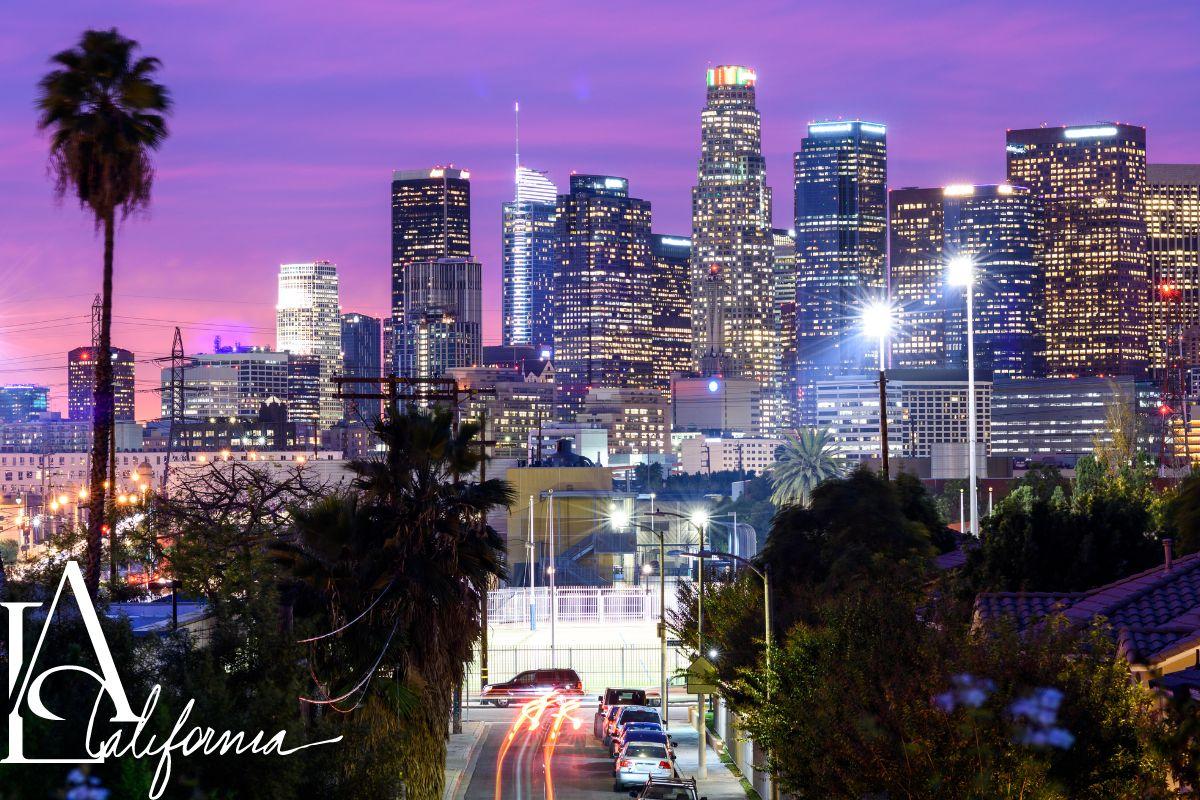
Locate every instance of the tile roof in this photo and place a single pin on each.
(1154, 614)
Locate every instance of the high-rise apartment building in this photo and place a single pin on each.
(304, 389)
(361, 356)
(529, 260)
(440, 325)
(1091, 181)
(81, 383)
(21, 402)
(431, 219)
(1173, 239)
(733, 319)
(308, 323)
(999, 227)
(841, 245)
(603, 313)
(671, 300)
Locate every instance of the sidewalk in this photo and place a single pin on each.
(462, 750)
(721, 784)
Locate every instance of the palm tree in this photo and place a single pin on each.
(105, 113)
(400, 564)
(805, 460)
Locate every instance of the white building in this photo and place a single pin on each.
(308, 322)
(229, 384)
(704, 454)
(926, 407)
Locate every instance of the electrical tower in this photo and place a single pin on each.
(174, 402)
(97, 315)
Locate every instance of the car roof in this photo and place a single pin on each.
(649, 736)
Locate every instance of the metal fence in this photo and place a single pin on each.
(578, 604)
(598, 667)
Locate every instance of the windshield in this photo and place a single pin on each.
(645, 751)
(626, 696)
(639, 716)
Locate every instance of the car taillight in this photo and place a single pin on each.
(664, 765)
(624, 762)
(579, 685)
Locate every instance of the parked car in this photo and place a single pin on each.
(615, 697)
(642, 732)
(640, 761)
(531, 684)
(667, 789)
(677, 693)
(628, 714)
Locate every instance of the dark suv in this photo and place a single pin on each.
(531, 684)
(615, 697)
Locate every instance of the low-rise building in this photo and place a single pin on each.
(705, 454)
(716, 406)
(636, 419)
(511, 402)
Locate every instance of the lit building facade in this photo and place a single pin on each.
(602, 292)
(917, 276)
(1091, 182)
(733, 319)
(431, 219)
(230, 384)
(704, 454)
(1173, 244)
(361, 356)
(308, 323)
(636, 419)
(998, 226)
(671, 299)
(529, 260)
(841, 246)
(23, 401)
(926, 408)
(304, 389)
(510, 405)
(440, 325)
(785, 321)
(81, 383)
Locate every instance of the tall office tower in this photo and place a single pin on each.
(841, 246)
(81, 383)
(308, 323)
(732, 249)
(785, 320)
(603, 315)
(917, 277)
(21, 402)
(1000, 227)
(671, 300)
(304, 388)
(1173, 238)
(529, 260)
(234, 381)
(440, 325)
(431, 219)
(361, 356)
(1092, 184)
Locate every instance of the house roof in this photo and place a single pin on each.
(1154, 614)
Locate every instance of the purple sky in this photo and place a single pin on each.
(291, 114)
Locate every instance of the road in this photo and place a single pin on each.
(522, 757)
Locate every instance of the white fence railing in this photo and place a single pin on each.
(578, 604)
(598, 667)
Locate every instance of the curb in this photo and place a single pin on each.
(457, 789)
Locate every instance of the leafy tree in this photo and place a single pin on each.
(105, 114)
(885, 695)
(399, 567)
(1181, 514)
(917, 505)
(804, 461)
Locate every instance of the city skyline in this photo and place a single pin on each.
(227, 214)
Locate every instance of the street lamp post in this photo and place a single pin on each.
(962, 273)
(877, 324)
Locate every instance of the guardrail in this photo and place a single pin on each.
(578, 604)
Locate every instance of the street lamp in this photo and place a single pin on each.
(961, 272)
(877, 322)
(173, 585)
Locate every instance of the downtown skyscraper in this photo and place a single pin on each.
(671, 298)
(998, 226)
(733, 318)
(439, 327)
(529, 260)
(431, 219)
(81, 383)
(602, 292)
(1091, 182)
(1173, 239)
(841, 247)
(308, 323)
(361, 356)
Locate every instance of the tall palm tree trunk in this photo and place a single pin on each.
(102, 415)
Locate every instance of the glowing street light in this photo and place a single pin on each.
(699, 518)
(878, 319)
(960, 271)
